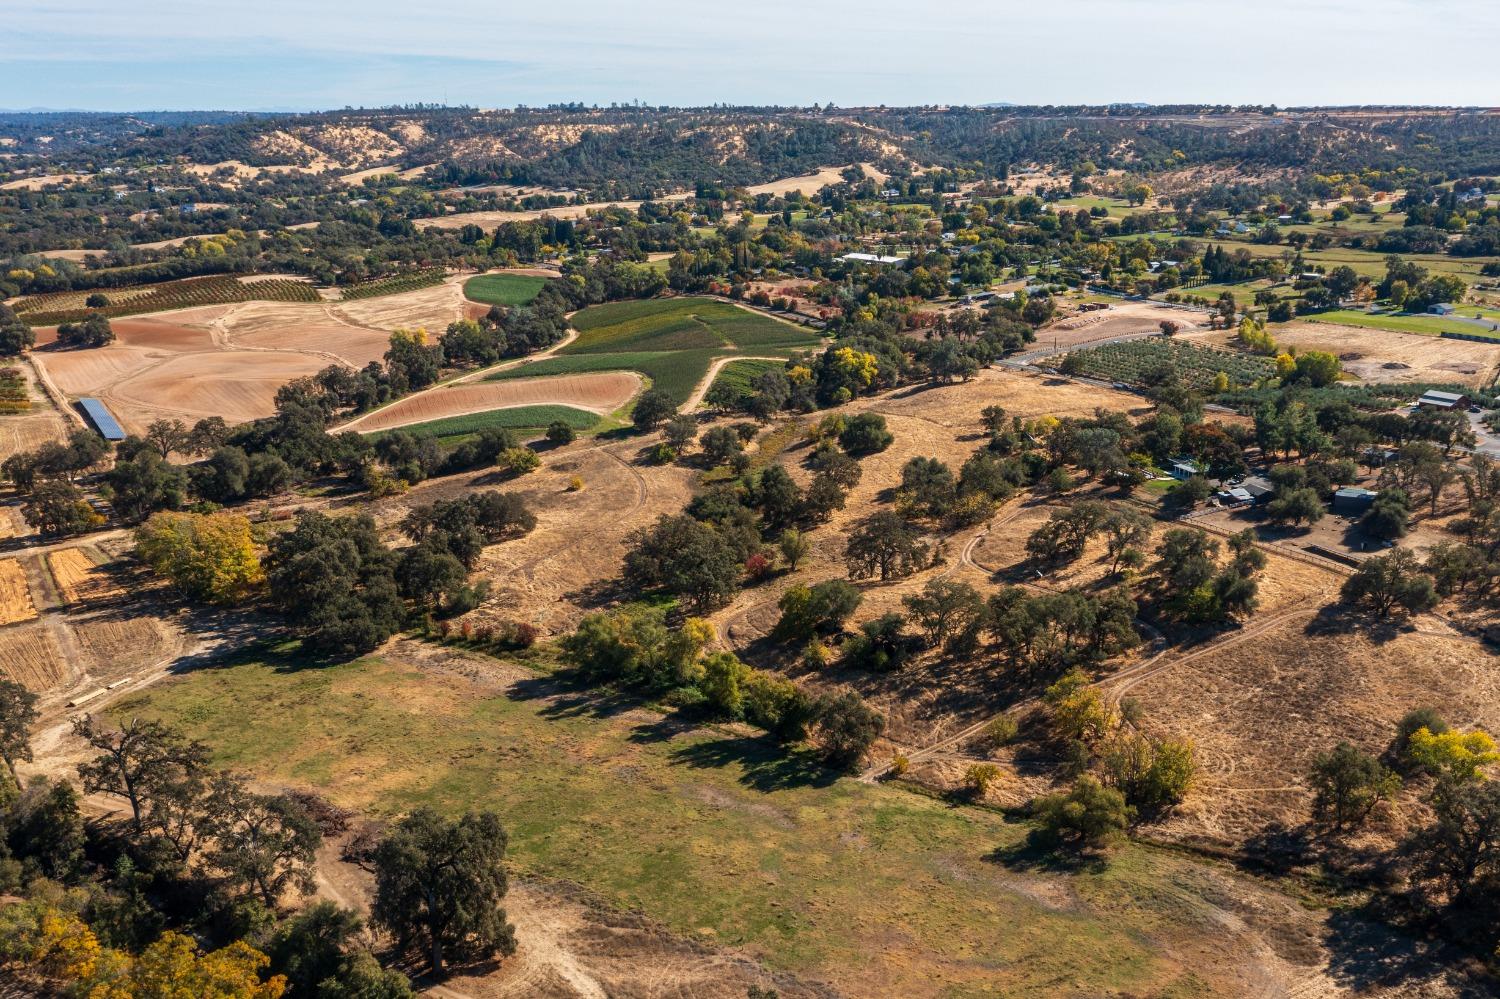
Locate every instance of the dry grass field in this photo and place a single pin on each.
(598, 392)
(30, 657)
(1120, 319)
(41, 423)
(1384, 355)
(15, 593)
(79, 579)
(1259, 707)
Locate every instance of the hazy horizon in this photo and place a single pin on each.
(276, 55)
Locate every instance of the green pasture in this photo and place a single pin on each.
(503, 289)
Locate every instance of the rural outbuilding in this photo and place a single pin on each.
(1442, 400)
(1260, 489)
(101, 419)
(1443, 309)
(1353, 499)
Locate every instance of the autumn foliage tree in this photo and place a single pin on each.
(212, 558)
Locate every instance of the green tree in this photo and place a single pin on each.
(865, 433)
(845, 728)
(884, 544)
(1384, 583)
(1089, 815)
(18, 712)
(1347, 784)
(440, 884)
(560, 433)
(652, 409)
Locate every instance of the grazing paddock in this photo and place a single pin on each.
(29, 656)
(601, 393)
(78, 579)
(15, 593)
(503, 289)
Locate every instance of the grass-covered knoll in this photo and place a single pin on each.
(518, 418)
(877, 890)
(503, 289)
(680, 324)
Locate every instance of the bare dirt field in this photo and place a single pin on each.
(1387, 356)
(600, 392)
(229, 360)
(15, 593)
(1120, 319)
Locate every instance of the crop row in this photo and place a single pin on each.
(1139, 362)
(395, 284)
(62, 307)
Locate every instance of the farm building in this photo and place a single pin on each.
(101, 419)
(1260, 489)
(1238, 496)
(1353, 499)
(871, 258)
(1442, 309)
(1184, 468)
(1442, 400)
(1377, 457)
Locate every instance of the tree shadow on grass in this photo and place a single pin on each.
(1038, 853)
(765, 765)
(1365, 954)
(1341, 619)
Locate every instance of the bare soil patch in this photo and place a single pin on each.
(237, 385)
(1385, 355)
(1120, 319)
(599, 392)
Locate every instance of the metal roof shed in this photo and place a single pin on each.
(108, 427)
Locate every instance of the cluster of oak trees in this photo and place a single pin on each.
(191, 890)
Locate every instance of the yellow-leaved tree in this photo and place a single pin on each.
(209, 557)
(61, 947)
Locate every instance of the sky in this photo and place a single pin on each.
(310, 54)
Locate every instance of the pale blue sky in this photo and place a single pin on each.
(158, 54)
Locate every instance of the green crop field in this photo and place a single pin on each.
(1129, 362)
(680, 324)
(1402, 323)
(518, 418)
(671, 341)
(503, 289)
(716, 834)
(675, 372)
(740, 374)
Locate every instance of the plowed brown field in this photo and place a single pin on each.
(29, 657)
(79, 579)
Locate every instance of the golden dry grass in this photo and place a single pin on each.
(29, 657)
(15, 594)
(78, 579)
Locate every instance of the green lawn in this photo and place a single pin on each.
(503, 289)
(525, 420)
(1424, 324)
(719, 836)
(672, 341)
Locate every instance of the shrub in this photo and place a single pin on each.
(1001, 731)
(758, 566)
(520, 460)
(559, 433)
(575, 484)
(1088, 815)
(865, 434)
(978, 778)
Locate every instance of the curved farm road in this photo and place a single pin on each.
(696, 399)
